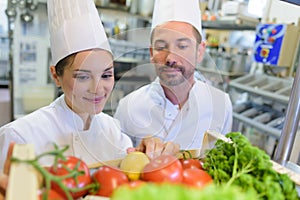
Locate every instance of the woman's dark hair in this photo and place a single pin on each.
(63, 63)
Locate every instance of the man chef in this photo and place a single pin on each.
(175, 106)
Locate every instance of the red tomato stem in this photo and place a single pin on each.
(184, 154)
(52, 178)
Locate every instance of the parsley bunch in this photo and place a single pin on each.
(239, 163)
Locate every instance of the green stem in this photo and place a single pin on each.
(186, 151)
(51, 178)
(237, 174)
(57, 153)
(235, 164)
(89, 187)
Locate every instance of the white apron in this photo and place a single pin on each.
(147, 112)
(58, 124)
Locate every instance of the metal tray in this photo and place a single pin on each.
(261, 117)
(270, 87)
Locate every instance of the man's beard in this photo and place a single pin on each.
(173, 79)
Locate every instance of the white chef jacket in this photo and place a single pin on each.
(147, 112)
(58, 124)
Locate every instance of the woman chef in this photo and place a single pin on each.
(83, 68)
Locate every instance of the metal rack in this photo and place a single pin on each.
(219, 25)
(267, 115)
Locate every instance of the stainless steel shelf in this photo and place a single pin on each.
(223, 73)
(274, 88)
(262, 127)
(269, 119)
(220, 25)
(124, 9)
(262, 117)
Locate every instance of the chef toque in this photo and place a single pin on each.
(74, 26)
(177, 10)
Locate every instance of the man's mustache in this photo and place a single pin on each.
(172, 65)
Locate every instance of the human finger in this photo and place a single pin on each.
(131, 149)
(149, 147)
(158, 147)
(141, 146)
(171, 148)
(8, 157)
(152, 147)
(1, 196)
(3, 185)
(3, 181)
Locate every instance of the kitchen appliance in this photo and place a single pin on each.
(240, 61)
(275, 44)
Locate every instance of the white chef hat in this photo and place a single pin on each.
(74, 26)
(177, 10)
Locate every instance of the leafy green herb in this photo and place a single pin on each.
(241, 164)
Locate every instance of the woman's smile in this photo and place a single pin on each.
(95, 100)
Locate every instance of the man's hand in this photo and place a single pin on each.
(3, 185)
(154, 147)
(4, 175)
(8, 157)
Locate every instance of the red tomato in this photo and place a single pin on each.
(163, 168)
(63, 168)
(191, 163)
(196, 177)
(52, 195)
(108, 178)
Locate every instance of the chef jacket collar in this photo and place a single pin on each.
(160, 98)
(72, 118)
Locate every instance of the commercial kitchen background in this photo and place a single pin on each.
(243, 58)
